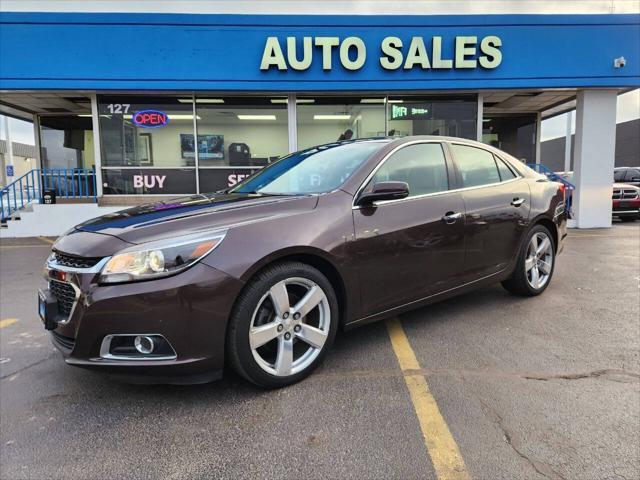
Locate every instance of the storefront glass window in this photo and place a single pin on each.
(432, 116)
(327, 119)
(237, 136)
(145, 145)
(66, 141)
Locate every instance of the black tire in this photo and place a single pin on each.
(239, 352)
(518, 282)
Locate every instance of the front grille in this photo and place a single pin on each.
(65, 342)
(65, 294)
(75, 262)
(625, 194)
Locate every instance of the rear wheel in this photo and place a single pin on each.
(283, 324)
(535, 263)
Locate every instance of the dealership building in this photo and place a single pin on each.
(155, 99)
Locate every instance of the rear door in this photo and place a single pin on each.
(497, 203)
(404, 249)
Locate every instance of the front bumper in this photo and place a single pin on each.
(626, 208)
(190, 310)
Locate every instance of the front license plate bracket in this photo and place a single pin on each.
(48, 309)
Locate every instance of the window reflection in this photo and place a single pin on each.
(327, 119)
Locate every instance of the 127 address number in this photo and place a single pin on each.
(118, 108)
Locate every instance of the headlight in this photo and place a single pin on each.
(159, 259)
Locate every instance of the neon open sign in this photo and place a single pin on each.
(150, 119)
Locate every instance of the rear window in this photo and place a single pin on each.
(505, 171)
(477, 166)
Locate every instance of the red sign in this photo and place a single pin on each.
(150, 119)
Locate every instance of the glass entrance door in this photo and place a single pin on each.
(66, 141)
(515, 133)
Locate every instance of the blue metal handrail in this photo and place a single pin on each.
(551, 175)
(64, 182)
(540, 168)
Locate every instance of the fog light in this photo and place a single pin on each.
(144, 345)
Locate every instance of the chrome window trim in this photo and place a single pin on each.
(425, 195)
(444, 192)
(105, 346)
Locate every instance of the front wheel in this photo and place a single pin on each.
(283, 324)
(535, 263)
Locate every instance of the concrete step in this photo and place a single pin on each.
(52, 220)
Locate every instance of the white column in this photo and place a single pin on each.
(292, 122)
(479, 118)
(9, 144)
(538, 136)
(97, 151)
(36, 136)
(594, 157)
(567, 142)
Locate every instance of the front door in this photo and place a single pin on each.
(404, 249)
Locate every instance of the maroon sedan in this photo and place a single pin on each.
(262, 276)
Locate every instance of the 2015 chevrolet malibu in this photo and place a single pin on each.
(262, 276)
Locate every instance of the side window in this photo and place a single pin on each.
(421, 166)
(476, 166)
(505, 172)
(618, 175)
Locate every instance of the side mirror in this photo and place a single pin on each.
(384, 191)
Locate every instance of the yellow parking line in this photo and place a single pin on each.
(441, 447)
(7, 321)
(48, 240)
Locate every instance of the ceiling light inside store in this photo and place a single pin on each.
(298, 100)
(256, 117)
(372, 100)
(332, 117)
(172, 116)
(201, 100)
(395, 101)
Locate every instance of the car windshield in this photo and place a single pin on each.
(315, 170)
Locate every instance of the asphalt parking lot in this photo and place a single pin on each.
(537, 388)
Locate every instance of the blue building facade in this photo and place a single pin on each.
(168, 103)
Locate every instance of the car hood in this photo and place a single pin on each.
(193, 214)
(625, 185)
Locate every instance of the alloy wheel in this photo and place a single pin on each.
(539, 261)
(289, 326)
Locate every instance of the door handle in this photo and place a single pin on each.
(516, 202)
(451, 217)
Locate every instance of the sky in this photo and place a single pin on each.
(21, 131)
(628, 109)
